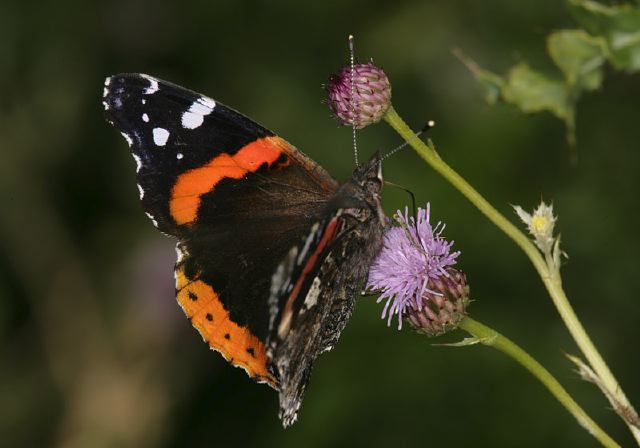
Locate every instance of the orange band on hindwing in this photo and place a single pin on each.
(202, 306)
(190, 186)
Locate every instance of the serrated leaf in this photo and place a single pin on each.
(532, 91)
(579, 56)
(619, 25)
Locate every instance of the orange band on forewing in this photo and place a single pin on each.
(190, 186)
(207, 314)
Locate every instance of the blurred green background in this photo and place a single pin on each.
(94, 351)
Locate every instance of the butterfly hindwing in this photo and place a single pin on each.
(202, 305)
(314, 289)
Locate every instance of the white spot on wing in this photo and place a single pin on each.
(153, 85)
(106, 106)
(307, 243)
(312, 296)
(153, 220)
(194, 117)
(144, 101)
(179, 156)
(280, 281)
(141, 191)
(180, 253)
(285, 324)
(107, 81)
(127, 138)
(160, 136)
(207, 102)
(191, 120)
(105, 92)
(145, 118)
(138, 162)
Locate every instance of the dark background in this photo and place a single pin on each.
(94, 351)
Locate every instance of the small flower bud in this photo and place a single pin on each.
(360, 97)
(442, 307)
(540, 225)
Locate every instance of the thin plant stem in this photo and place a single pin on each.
(492, 338)
(551, 281)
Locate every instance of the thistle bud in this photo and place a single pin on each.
(359, 97)
(540, 225)
(442, 307)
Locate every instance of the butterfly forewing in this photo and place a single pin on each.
(184, 144)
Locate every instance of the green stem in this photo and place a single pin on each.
(492, 338)
(551, 282)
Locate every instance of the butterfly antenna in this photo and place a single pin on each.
(353, 92)
(413, 198)
(430, 125)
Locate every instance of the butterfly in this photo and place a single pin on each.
(271, 250)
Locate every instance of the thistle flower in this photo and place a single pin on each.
(414, 274)
(359, 97)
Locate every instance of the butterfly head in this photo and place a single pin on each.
(360, 196)
(369, 176)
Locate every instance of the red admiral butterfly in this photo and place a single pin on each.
(272, 251)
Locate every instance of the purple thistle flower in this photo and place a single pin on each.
(359, 98)
(413, 259)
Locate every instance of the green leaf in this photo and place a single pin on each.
(532, 91)
(579, 56)
(619, 25)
